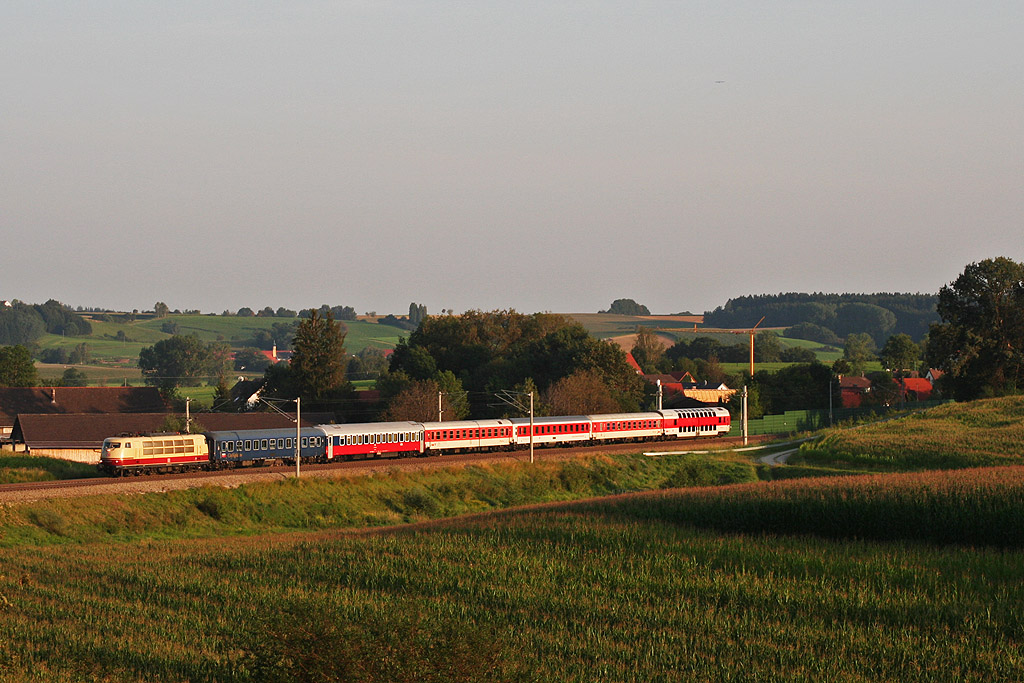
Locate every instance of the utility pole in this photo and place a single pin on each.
(659, 395)
(188, 418)
(531, 427)
(298, 434)
(744, 415)
(439, 411)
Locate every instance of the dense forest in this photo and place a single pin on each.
(880, 315)
(22, 323)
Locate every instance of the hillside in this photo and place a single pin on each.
(988, 432)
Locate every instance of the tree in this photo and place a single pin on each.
(900, 353)
(858, 351)
(797, 354)
(627, 307)
(980, 343)
(80, 355)
(864, 318)
(73, 377)
(417, 312)
(416, 401)
(581, 393)
(251, 360)
(183, 361)
(797, 387)
(20, 324)
(318, 356)
(161, 309)
(16, 367)
(812, 332)
(767, 348)
(369, 363)
(841, 367)
(648, 349)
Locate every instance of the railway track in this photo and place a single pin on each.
(150, 483)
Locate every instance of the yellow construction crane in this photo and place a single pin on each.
(713, 330)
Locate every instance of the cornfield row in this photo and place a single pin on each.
(628, 589)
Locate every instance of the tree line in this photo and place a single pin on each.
(824, 316)
(22, 323)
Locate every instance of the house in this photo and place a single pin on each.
(915, 388)
(275, 356)
(852, 390)
(246, 393)
(15, 401)
(633, 364)
(79, 436)
(683, 384)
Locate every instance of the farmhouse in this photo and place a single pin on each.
(683, 384)
(15, 401)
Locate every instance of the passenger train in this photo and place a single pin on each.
(331, 442)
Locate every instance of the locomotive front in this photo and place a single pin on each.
(113, 455)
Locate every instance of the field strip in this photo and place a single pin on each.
(745, 449)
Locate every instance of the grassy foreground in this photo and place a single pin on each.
(642, 587)
(397, 497)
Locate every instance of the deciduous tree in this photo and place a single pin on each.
(899, 354)
(980, 343)
(16, 367)
(581, 393)
(183, 360)
(858, 351)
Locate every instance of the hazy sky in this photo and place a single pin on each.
(503, 154)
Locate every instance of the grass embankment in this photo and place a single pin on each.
(16, 467)
(393, 498)
(626, 589)
(976, 434)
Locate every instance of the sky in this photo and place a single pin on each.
(540, 156)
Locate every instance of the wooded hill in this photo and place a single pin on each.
(880, 315)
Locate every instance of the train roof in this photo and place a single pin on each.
(561, 419)
(467, 424)
(624, 417)
(370, 428)
(718, 410)
(278, 433)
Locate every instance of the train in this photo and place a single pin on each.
(159, 453)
